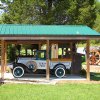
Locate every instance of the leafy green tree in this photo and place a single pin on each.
(20, 11)
(67, 12)
(85, 12)
(51, 12)
(97, 21)
(11, 52)
(6, 1)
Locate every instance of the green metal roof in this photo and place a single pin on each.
(29, 29)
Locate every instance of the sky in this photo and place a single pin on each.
(2, 5)
(1, 11)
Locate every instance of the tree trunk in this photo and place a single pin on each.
(49, 4)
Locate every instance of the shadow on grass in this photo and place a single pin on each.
(95, 76)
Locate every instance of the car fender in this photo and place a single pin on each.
(22, 65)
(59, 64)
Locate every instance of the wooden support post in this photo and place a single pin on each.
(47, 60)
(25, 52)
(87, 60)
(71, 56)
(5, 57)
(39, 46)
(2, 58)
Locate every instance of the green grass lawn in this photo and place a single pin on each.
(50, 92)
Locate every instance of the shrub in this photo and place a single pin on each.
(83, 72)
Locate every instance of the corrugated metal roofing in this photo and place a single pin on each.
(29, 29)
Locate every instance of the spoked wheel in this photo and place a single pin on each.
(94, 58)
(60, 71)
(32, 65)
(18, 72)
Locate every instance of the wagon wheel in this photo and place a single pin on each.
(94, 58)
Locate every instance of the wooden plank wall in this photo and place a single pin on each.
(54, 50)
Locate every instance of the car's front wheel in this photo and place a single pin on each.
(18, 72)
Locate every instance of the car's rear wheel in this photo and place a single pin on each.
(18, 72)
(60, 71)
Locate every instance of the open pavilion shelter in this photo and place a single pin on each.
(48, 34)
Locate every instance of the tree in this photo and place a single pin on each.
(20, 11)
(97, 21)
(6, 1)
(18, 47)
(85, 12)
(67, 12)
(11, 52)
(51, 12)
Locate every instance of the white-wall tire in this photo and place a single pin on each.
(18, 72)
(60, 72)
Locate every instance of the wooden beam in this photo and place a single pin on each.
(2, 58)
(25, 42)
(87, 59)
(47, 60)
(38, 41)
(5, 56)
(71, 47)
(39, 46)
(49, 37)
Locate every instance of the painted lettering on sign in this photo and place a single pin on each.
(42, 64)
